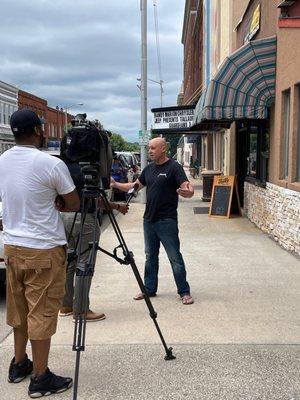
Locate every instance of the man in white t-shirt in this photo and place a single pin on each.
(34, 187)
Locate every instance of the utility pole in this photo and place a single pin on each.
(143, 88)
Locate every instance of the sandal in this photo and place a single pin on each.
(141, 296)
(187, 299)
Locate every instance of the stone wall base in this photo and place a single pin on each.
(276, 211)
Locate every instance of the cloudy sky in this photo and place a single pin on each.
(72, 51)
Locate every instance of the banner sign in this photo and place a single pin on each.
(173, 119)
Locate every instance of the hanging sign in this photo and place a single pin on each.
(172, 119)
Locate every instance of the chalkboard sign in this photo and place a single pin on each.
(225, 199)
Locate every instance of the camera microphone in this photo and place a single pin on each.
(132, 192)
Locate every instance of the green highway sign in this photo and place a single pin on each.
(144, 137)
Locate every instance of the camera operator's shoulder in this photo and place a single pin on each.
(49, 157)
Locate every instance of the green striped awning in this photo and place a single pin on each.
(243, 88)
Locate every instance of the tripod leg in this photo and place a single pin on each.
(153, 314)
(84, 272)
(79, 334)
(130, 260)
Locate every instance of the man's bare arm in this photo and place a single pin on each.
(124, 187)
(68, 202)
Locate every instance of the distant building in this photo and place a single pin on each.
(8, 105)
(55, 117)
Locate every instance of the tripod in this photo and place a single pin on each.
(86, 270)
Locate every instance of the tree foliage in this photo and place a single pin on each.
(172, 141)
(119, 143)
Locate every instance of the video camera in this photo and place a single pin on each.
(86, 150)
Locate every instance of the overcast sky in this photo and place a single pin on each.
(72, 51)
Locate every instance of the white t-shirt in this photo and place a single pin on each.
(30, 180)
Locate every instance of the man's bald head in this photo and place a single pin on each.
(158, 141)
(158, 149)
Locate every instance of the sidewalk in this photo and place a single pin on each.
(240, 340)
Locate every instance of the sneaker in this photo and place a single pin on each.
(65, 311)
(47, 384)
(93, 317)
(17, 372)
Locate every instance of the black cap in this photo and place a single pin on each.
(24, 119)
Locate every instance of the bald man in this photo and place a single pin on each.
(164, 179)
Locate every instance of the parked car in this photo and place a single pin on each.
(2, 265)
(119, 172)
(137, 155)
(134, 169)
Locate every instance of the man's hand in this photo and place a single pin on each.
(59, 203)
(123, 208)
(186, 190)
(112, 183)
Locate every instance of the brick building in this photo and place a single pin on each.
(55, 117)
(254, 90)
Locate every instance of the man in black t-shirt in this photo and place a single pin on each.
(164, 180)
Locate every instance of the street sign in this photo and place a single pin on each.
(144, 137)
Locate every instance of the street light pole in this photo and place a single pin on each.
(143, 6)
(66, 114)
(161, 89)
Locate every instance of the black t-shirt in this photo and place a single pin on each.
(161, 182)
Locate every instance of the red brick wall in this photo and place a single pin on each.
(34, 103)
(193, 53)
(55, 119)
(55, 123)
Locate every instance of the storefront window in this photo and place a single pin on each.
(286, 133)
(253, 148)
(252, 152)
(298, 135)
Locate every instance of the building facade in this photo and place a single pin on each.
(206, 41)
(250, 107)
(55, 117)
(275, 206)
(8, 105)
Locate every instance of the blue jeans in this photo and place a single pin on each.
(71, 294)
(163, 231)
